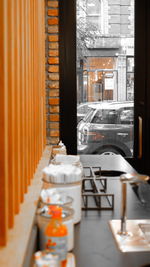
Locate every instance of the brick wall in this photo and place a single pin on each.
(52, 72)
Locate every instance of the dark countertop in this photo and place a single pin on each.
(94, 243)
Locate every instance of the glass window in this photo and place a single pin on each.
(126, 116)
(130, 78)
(105, 117)
(105, 73)
(94, 12)
(93, 7)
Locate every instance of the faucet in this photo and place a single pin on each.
(134, 178)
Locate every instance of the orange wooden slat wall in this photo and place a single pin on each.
(22, 102)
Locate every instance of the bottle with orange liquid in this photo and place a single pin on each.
(56, 233)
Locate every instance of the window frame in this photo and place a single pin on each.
(68, 94)
(68, 98)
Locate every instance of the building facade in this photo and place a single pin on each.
(108, 60)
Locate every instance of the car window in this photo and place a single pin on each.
(83, 109)
(105, 117)
(80, 109)
(89, 115)
(126, 116)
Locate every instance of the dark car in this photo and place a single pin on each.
(107, 129)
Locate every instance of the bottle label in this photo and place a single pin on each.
(57, 245)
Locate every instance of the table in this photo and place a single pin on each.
(94, 243)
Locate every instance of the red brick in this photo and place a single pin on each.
(53, 53)
(53, 77)
(54, 93)
(53, 12)
(54, 133)
(53, 68)
(53, 45)
(53, 38)
(54, 109)
(54, 117)
(54, 125)
(53, 101)
(53, 85)
(53, 21)
(53, 3)
(53, 60)
(53, 29)
(53, 140)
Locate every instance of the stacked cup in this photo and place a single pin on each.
(65, 174)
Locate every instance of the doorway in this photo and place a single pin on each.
(105, 77)
(68, 81)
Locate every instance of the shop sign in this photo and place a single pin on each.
(109, 83)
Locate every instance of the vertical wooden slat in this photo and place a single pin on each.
(11, 192)
(40, 25)
(31, 86)
(26, 92)
(34, 60)
(36, 74)
(39, 74)
(32, 83)
(21, 105)
(37, 103)
(15, 107)
(43, 76)
(40, 19)
(29, 97)
(3, 132)
(33, 89)
(37, 82)
(32, 92)
(22, 98)
(19, 60)
(13, 118)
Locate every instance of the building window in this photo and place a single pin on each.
(130, 78)
(94, 12)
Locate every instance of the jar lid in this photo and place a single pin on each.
(53, 196)
(62, 173)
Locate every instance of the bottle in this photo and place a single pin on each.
(56, 233)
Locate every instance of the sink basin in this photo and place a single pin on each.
(145, 228)
(137, 238)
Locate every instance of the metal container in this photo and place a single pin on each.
(43, 218)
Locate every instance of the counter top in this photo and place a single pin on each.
(94, 242)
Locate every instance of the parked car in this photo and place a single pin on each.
(107, 129)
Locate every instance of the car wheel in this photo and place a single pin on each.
(110, 151)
